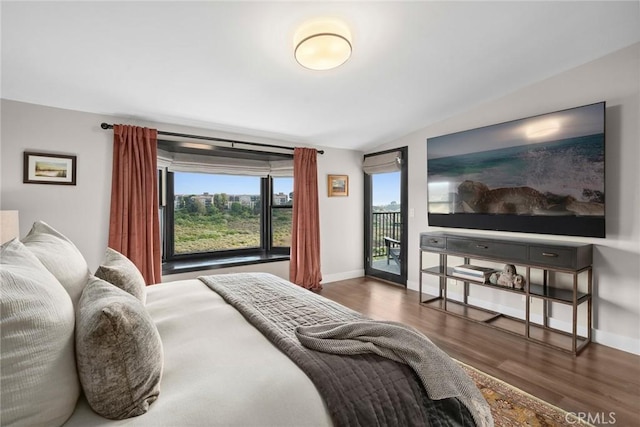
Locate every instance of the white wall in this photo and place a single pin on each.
(341, 218)
(615, 79)
(81, 212)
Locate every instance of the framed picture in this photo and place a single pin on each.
(338, 185)
(45, 168)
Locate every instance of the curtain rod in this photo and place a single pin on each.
(210, 138)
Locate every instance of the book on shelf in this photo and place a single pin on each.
(474, 277)
(474, 270)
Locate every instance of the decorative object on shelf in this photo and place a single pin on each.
(519, 281)
(508, 277)
(338, 185)
(45, 168)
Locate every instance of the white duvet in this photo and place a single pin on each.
(218, 369)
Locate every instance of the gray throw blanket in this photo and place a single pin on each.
(364, 389)
(440, 375)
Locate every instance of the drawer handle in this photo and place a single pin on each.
(482, 247)
(433, 241)
(549, 254)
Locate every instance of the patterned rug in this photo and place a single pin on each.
(512, 407)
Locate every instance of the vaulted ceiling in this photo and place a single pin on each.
(229, 66)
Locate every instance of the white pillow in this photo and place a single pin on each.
(60, 256)
(40, 384)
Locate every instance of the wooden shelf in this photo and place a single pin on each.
(567, 258)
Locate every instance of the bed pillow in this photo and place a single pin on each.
(60, 256)
(40, 385)
(118, 351)
(118, 270)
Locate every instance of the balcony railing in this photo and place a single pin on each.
(384, 224)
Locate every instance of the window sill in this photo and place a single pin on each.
(186, 266)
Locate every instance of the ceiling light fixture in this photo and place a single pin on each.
(322, 44)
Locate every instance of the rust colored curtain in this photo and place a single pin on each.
(304, 268)
(134, 228)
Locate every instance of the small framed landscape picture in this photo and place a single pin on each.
(338, 185)
(45, 168)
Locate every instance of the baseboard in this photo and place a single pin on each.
(627, 344)
(328, 278)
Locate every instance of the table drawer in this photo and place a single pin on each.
(431, 242)
(489, 249)
(552, 256)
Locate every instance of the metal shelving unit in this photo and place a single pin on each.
(550, 257)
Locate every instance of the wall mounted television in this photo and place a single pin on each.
(543, 174)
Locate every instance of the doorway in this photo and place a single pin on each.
(385, 194)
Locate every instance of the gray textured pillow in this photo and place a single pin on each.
(118, 270)
(39, 379)
(118, 351)
(60, 256)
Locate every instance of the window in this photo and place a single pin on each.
(223, 206)
(225, 215)
(281, 212)
(215, 212)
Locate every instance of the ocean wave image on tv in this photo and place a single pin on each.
(558, 177)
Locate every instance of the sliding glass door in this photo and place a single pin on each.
(385, 215)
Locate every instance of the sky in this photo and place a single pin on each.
(198, 183)
(386, 186)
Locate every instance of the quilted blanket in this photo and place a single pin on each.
(364, 389)
(440, 375)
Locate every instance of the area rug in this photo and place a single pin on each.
(512, 407)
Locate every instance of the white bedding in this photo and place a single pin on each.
(218, 369)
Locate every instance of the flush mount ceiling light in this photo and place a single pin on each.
(322, 44)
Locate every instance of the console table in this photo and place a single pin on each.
(552, 258)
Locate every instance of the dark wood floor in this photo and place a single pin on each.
(602, 382)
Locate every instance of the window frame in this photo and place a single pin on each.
(262, 253)
(276, 249)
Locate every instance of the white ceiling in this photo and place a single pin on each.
(229, 66)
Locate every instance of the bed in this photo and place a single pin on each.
(216, 363)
